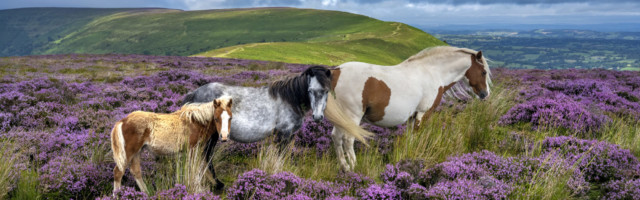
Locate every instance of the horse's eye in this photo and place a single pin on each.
(484, 73)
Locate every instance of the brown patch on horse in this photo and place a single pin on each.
(131, 131)
(335, 75)
(477, 74)
(375, 98)
(436, 102)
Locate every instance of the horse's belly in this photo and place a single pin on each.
(245, 130)
(167, 138)
(397, 113)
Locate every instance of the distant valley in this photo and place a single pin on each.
(551, 49)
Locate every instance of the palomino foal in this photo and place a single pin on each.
(166, 134)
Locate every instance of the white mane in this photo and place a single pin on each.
(461, 89)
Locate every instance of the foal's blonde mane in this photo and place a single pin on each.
(202, 112)
(459, 90)
(199, 112)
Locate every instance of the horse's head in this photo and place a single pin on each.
(478, 75)
(319, 81)
(222, 116)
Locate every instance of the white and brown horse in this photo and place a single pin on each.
(167, 134)
(390, 95)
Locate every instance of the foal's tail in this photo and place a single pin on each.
(117, 147)
(335, 114)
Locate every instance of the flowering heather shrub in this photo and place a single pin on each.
(559, 111)
(127, 193)
(485, 188)
(72, 178)
(256, 184)
(314, 134)
(476, 165)
(375, 191)
(622, 189)
(599, 161)
(353, 182)
(586, 95)
(177, 192)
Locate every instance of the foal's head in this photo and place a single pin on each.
(319, 81)
(478, 75)
(222, 116)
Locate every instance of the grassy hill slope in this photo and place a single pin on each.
(29, 30)
(278, 34)
(372, 41)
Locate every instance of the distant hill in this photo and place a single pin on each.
(277, 34)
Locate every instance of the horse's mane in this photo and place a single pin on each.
(293, 90)
(198, 112)
(459, 90)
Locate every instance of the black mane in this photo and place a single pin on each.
(294, 90)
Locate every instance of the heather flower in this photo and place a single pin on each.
(599, 161)
(485, 188)
(127, 193)
(353, 182)
(622, 189)
(559, 111)
(378, 192)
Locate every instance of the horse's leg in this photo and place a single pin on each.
(136, 170)
(338, 136)
(284, 138)
(348, 148)
(211, 172)
(418, 119)
(117, 178)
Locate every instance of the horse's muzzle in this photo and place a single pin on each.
(482, 94)
(317, 117)
(223, 139)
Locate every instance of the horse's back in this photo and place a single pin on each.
(205, 93)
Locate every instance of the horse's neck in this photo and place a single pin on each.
(444, 71)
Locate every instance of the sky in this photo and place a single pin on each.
(414, 12)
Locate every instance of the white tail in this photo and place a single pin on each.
(117, 147)
(335, 114)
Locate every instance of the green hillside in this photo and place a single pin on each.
(30, 30)
(278, 34)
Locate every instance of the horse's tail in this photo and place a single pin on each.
(335, 114)
(117, 147)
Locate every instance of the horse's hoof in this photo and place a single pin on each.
(219, 185)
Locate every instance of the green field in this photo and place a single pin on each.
(276, 34)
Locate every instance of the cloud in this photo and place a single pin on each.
(416, 12)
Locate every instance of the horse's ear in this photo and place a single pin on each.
(479, 55)
(328, 73)
(230, 103)
(216, 103)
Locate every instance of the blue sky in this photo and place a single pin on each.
(415, 12)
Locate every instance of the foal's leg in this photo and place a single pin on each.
(211, 173)
(338, 136)
(136, 170)
(117, 178)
